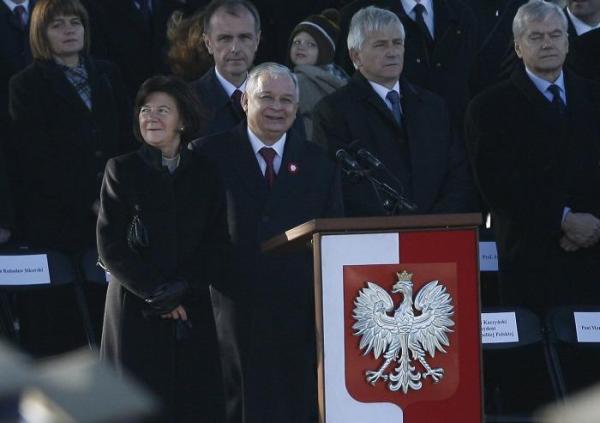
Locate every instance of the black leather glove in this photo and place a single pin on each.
(167, 296)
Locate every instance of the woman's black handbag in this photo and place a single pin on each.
(137, 235)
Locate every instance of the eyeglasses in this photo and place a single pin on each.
(146, 111)
(304, 43)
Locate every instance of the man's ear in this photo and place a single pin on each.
(244, 101)
(355, 57)
(518, 50)
(207, 43)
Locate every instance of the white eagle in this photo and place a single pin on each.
(404, 332)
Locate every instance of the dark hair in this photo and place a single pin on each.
(185, 99)
(231, 7)
(43, 13)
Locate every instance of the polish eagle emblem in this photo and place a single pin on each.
(405, 336)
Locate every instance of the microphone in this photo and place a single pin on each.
(345, 158)
(373, 161)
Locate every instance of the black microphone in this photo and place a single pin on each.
(373, 161)
(344, 157)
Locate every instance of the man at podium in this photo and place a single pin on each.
(264, 312)
(393, 138)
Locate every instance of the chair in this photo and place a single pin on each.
(42, 314)
(517, 375)
(575, 363)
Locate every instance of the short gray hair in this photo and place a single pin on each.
(370, 19)
(535, 11)
(274, 70)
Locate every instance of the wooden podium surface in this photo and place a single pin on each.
(301, 234)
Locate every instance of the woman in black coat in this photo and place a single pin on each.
(70, 115)
(162, 234)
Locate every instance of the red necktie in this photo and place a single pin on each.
(269, 154)
(20, 12)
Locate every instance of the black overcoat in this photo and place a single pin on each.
(530, 164)
(216, 104)
(62, 148)
(266, 315)
(424, 154)
(185, 217)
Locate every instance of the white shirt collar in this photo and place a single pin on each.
(11, 5)
(228, 86)
(409, 5)
(580, 26)
(542, 85)
(257, 144)
(383, 91)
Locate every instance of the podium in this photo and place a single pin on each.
(397, 317)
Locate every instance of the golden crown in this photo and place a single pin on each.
(404, 276)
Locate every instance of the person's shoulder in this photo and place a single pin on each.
(203, 84)
(215, 143)
(31, 72)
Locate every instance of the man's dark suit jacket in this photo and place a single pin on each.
(264, 311)
(138, 47)
(584, 51)
(447, 67)
(530, 164)
(216, 104)
(424, 154)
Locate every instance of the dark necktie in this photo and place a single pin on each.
(269, 154)
(236, 100)
(394, 98)
(419, 9)
(557, 101)
(20, 13)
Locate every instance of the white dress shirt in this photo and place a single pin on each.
(278, 146)
(542, 85)
(228, 86)
(409, 6)
(11, 5)
(383, 91)
(580, 26)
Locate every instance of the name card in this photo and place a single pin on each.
(24, 270)
(499, 327)
(587, 325)
(488, 256)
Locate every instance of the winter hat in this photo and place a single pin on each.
(325, 30)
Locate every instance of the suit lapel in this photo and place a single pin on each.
(244, 163)
(372, 99)
(61, 86)
(291, 167)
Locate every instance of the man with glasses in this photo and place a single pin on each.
(535, 147)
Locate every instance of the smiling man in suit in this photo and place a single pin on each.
(264, 310)
(535, 145)
(405, 126)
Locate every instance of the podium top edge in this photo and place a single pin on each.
(304, 232)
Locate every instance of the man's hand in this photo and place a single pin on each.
(583, 229)
(568, 245)
(178, 313)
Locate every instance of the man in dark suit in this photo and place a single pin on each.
(535, 146)
(135, 36)
(440, 47)
(264, 310)
(405, 126)
(231, 35)
(584, 38)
